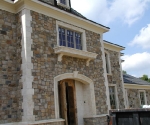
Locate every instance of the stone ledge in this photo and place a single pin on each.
(36, 122)
(96, 116)
(46, 121)
(62, 50)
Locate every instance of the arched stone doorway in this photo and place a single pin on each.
(84, 95)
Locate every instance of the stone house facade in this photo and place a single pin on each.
(55, 67)
(137, 92)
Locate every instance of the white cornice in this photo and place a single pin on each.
(133, 86)
(113, 47)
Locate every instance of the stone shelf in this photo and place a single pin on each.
(62, 50)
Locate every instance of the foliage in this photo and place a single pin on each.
(145, 78)
(124, 72)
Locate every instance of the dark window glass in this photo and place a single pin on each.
(62, 39)
(78, 41)
(112, 96)
(70, 39)
(106, 59)
(63, 1)
(142, 98)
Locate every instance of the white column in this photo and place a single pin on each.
(105, 73)
(27, 66)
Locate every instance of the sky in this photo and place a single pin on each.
(129, 23)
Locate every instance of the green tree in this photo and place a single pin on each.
(124, 72)
(145, 77)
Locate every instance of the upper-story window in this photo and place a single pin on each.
(63, 1)
(70, 38)
(107, 60)
(142, 96)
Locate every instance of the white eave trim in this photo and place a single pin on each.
(66, 51)
(121, 48)
(134, 86)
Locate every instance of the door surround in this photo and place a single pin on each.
(79, 77)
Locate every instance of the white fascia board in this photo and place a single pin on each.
(113, 47)
(134, 86)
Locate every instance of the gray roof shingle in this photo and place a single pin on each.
(133, 80)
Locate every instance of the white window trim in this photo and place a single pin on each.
(108, 62)
(73, 28)
(116, 94)
(144, 96)
(63, 5)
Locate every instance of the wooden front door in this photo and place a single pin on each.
(67, 101)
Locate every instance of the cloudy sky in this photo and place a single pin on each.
(129, 22)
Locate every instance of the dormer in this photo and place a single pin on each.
(64, 3)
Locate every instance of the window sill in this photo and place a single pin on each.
(62, 50)
(109, 74)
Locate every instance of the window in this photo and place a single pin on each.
(63, 1)
(112, 95)
(70, 38)
(108, 70)
(142, 96)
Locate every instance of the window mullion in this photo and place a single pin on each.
(66, 37)
(74, 40)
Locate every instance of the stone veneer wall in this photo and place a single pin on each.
(133, 98)
(46, 66)
(10, 67)
(96, 121)
(115, 77)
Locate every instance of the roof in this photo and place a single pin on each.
(74, 12)
(114, 44)
(133, 80)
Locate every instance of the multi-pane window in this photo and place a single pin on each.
(70, 38)
(107, 63)
(142, 98)
(63, 1)
(106, 59)
(112, 96)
